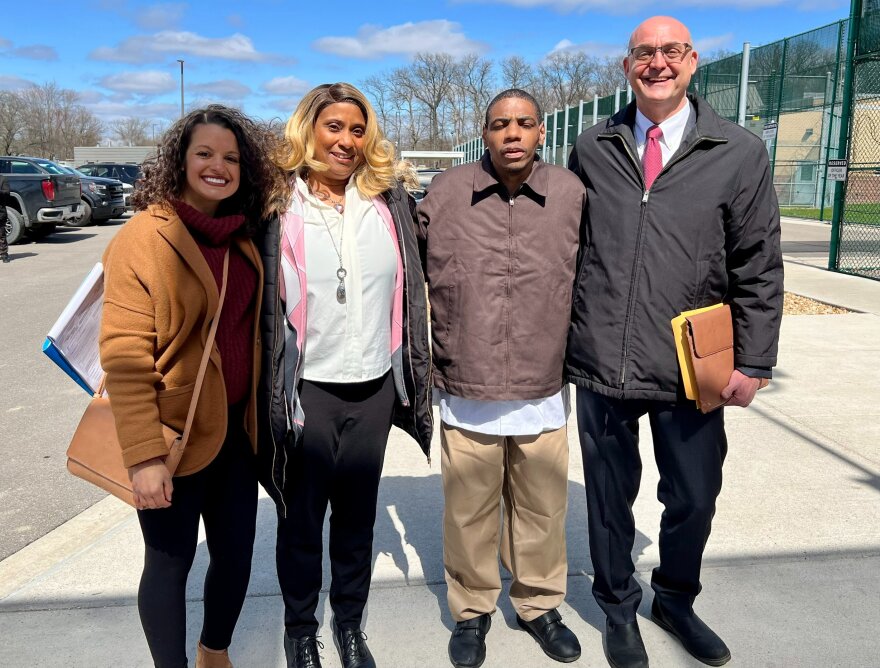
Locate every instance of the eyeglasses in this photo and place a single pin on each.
(673, 52)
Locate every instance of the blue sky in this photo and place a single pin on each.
(121, 55)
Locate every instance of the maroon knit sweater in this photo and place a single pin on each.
(235, 331)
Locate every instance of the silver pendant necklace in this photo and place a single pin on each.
(341, 273)
(338, 205)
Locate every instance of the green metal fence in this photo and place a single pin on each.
(795, 83)
(855, 236)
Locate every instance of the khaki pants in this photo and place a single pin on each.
(530, 474)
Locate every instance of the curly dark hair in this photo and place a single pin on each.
(263, 189)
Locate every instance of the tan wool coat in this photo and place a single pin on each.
(159, 296)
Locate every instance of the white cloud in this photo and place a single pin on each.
(631, 7)
(111, 110)
(140, 83)
(285, 105)
(166, 43)
(12, 82)
(5, 43)
(164, 15)
(713, 43)
(593, 49)
(439, 36)
(286, 86)
(227, 89)
(35, 52)
(90, 96)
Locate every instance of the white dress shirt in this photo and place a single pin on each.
(673, 131)
(349, 342)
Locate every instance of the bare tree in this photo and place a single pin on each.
(12, 122)
(475, 80)
(431, 80)
(378, 88)
(607, 76)
(130, 130)
(516, 73)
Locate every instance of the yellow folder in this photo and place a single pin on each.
(679, 331)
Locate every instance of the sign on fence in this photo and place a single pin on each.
(769, 132)
(837, 170)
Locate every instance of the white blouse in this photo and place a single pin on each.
(347, 342)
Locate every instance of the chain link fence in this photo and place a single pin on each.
(857, 226)
(795, 83)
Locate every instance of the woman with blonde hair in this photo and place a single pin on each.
(346, 355)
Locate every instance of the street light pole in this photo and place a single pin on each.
(181, 86)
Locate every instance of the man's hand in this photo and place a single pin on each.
(740, 389)
(152, 485)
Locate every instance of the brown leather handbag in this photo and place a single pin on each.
(95, 454)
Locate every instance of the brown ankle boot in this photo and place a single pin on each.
(212, 658)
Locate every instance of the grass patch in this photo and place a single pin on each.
(855, 213)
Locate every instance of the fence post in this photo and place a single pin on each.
(580, 116)
(855, 13)
(779, 113)
(840, 25)
(595, 109)
(629, 92)
(544, 148)
(743, 85)
(565, 135)
(617, 100)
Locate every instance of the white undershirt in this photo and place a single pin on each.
(506, 418)
(673, 131)
(349, 342)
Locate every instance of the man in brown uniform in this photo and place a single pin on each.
(499, 239)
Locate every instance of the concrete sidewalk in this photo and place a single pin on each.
(791, 573)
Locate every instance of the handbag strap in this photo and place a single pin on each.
(176, 452)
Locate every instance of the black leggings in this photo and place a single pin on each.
(224, 495)
(338, 461)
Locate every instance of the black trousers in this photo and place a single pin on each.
(339, 461)
(224, 495)
(689, 449)
(4, 246)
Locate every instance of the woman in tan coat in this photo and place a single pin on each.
(201, 199)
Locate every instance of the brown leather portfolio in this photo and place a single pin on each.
(710, 343)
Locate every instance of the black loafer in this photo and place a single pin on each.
(302, 652)
(554, 637)
(623, 646)
(467, 646)
(352, 647)
(693, 633)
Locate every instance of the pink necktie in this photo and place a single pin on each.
(652, 159)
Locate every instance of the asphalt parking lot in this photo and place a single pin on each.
(39, 405)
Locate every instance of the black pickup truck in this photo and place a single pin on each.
(42, 197)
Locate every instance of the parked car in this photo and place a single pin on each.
(425, 177)
(127, 172)
(44, 196)
(102, 199)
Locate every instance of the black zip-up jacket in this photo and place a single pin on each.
(708, 231)
(277, 436)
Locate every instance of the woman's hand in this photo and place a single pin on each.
(152, 484)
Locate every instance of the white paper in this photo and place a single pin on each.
(75, 333)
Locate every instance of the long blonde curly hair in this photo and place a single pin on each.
(374, 175)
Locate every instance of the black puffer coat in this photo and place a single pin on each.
(708, 231)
